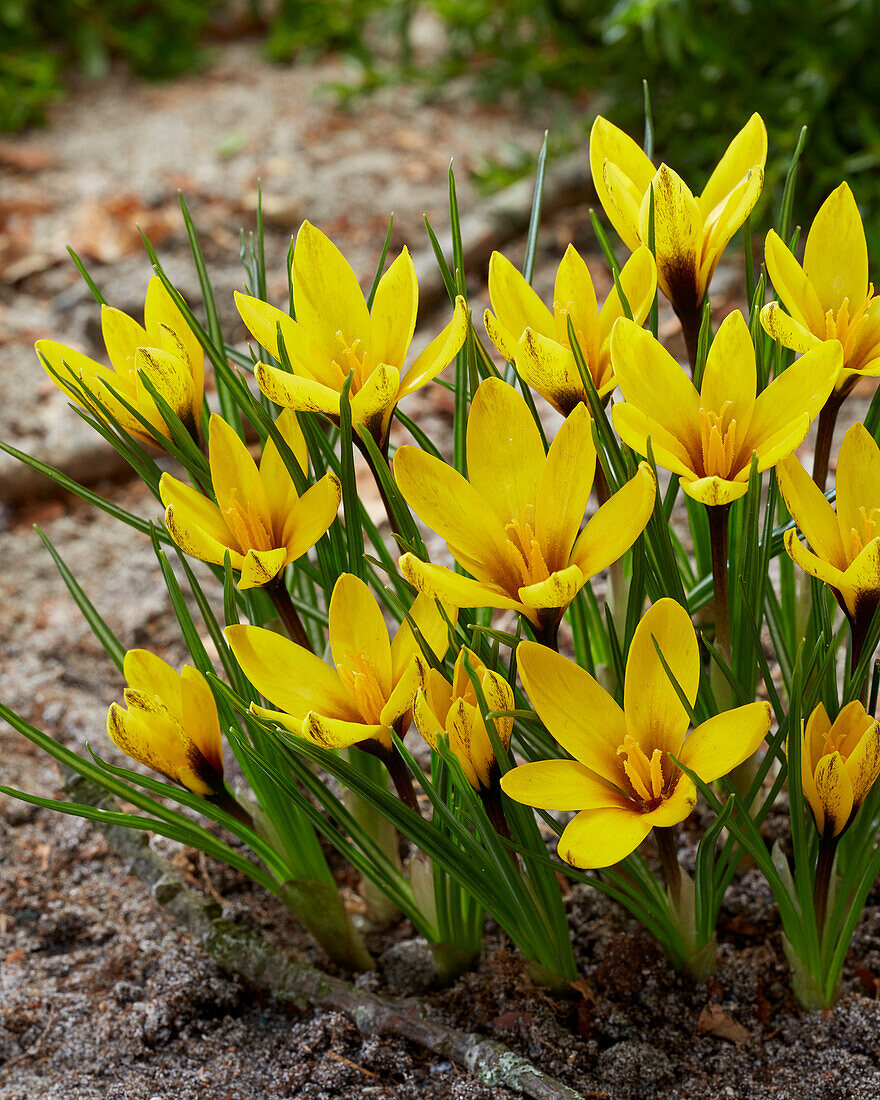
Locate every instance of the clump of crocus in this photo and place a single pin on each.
(708, 437)
(690, 233)
(623, 780)
(514, 522)
(163, 350)
(828, 298)
(335, 335)
(844, 545)
(536, 338)
(170, 724)
(370, 691)
(259, 519)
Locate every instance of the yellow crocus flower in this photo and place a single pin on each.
(623, 781)
(844, 546)
(335, 335)
(514, 525)
(535, 338)
(829, 298)
(371, 689)
(451, 712)
(163, 349)
(840, 762)
(690, 232)
(171, 724)
(708, 437)
(259, 519)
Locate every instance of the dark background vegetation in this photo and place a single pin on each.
(709, 63)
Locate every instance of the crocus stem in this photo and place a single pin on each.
(718, 524)
(825, 435)
(280, 597)
(397, 769)
(665, 838)
(548, 632)
(691, 318)
(225, 800)
(822, 883)
(859, 634)
(368, 458)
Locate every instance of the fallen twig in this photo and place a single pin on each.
(243, 952)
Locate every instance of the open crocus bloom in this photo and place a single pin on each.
(259, 519)
(829, 298)
(708, 438)
(844, 546)
(623, 780)
(514, 524)
(163, 349)
(690, 233)
(371, 689)
(528, 334)
(451, 712)
(171, 723)
(335, 335)
(840, 763)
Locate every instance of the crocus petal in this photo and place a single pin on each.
(514, 302)
(655, 716)
(335, 733)
(278, 716)
(678, 234)
(558, 785)
(581, 715)
(801, 389)
(432, 627)
(795, 290)
(400, 700)
(449, 505)
(617, 524)
(860, 583)
(863, 763)
(172, 379)
(358, 635)
(858, 484)
(438, 582)
(564, 488)
(185, 528)
(811, 511)
(161, 309)
(505, 455)
(676, 804)
(722, 743)
(610, 144)
(557, 591)
(328, 300)
(122, 337)
(439, 353)
(650, 379)
(724, 222)
(234, 475)
(66, 362)
(730, 379)
(277, 481)
(144, 671)
(714, 491)
(747, 149)
(834, 790)
(638, 279)
(635, 429)
(374, 401)
(550, 369)
(500, 335)
(310, 516)
(603, 837)
(199, 716)
(295, 392)
(288, 675)
(784, 328)
(836, 254)
(815, 566)
(194, 508)
(260, 566)
(574, 296)
(263, 322)
(393, 315)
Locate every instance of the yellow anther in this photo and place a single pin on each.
(869, 531)
(353, 361)
(718, 442)
(358, 676)
(525, 552)
(247, 526)
(644, 774)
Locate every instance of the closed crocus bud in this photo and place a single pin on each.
(163, 350)
(170, 724)
(840, 762)
(451, 712)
